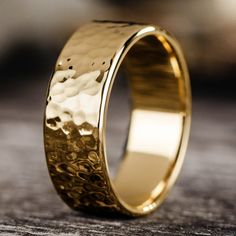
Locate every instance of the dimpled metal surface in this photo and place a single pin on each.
(76, 110)
(73, 148)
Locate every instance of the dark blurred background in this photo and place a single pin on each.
(32, 34)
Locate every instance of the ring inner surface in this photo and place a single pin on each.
(156, 123)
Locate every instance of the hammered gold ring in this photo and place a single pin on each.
(76, 111)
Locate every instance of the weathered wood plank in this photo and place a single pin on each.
(201, 203)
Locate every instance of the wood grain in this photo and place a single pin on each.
(201, 203)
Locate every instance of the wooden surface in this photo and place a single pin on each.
(203, 201)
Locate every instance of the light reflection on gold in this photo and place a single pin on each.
(155, 132)
(76, 109)
(146, 30)
(165, 44)
(153, 143)
(175, 66)
(69, 98)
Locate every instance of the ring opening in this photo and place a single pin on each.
(157, 116)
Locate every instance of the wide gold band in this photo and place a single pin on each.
(76, 110)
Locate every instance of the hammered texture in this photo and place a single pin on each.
(73, 149)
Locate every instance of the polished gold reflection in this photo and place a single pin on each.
(139, 175)
(153, 144)
(156, 133)
(157, 121)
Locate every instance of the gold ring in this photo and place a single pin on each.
(76, 110)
